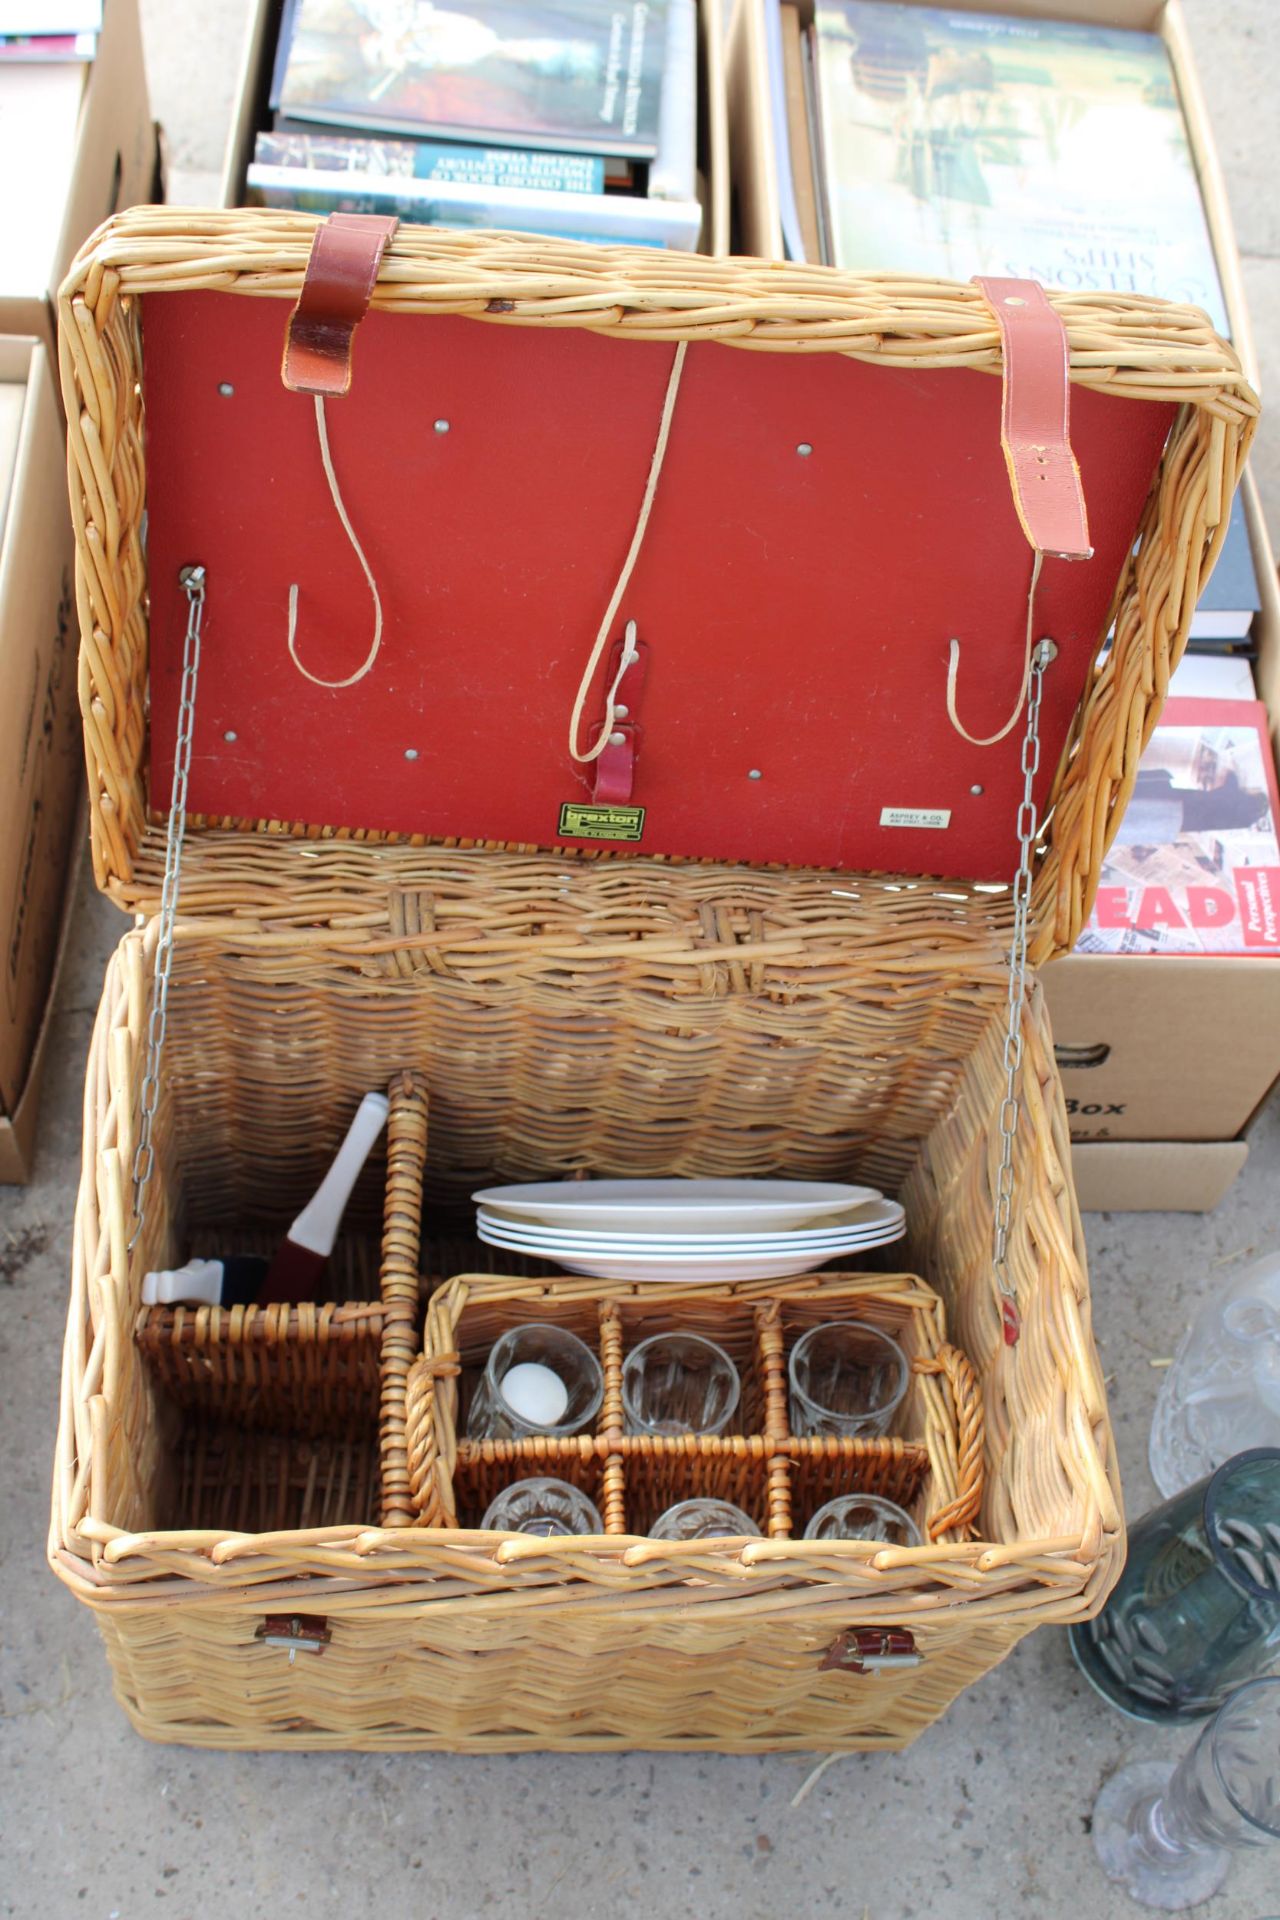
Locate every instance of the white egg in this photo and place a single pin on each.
(536, 1393)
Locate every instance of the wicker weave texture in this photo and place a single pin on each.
(1118, 344)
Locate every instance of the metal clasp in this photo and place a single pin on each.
(871, 1650)
(297, 1632)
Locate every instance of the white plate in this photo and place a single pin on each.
(759, 1266)
(870, 1221)
(676, 1206)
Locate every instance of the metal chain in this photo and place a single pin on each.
(1027, 829)
(144, 1159)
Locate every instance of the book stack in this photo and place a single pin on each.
(561, 117)
(1195, 866)
(937, 141)
(59, 31)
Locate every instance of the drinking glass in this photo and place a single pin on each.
(1197, 1608)
(542, 1505)
(846, 1378)
(563, 1355)
(678, 1383)
(702, 1520)
(1167, 1833)
(864, 1516)
(1222, 1393)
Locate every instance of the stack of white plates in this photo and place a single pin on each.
(688, 1229)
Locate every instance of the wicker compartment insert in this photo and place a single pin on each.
(757, 1465)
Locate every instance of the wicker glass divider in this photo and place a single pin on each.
(935, 1455)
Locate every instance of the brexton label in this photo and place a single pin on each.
(915, 816)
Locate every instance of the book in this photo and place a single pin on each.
(47, 46)
(13, 400)
(975, 143)
(803, 169)
(1195, 865)
(1212, 676)
(673, 174)
(574, 75)
(609, 219)
(320, 151)
(788, 211)
(1232, 597)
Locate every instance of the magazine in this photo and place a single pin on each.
(575, 75)
(960, 144)
(1195, 865)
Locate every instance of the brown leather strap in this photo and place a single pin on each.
(1035, 423)
(341, 275)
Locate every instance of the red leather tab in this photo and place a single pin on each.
(341, 275)
(1035, 423)
(615, 768)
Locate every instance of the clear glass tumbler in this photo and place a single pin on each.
(677, 1383)
(542, 1505)
(864, 1516)
(558, 1390)
(1167, 1834)
(846, 1378)
(1197, 1609)
(702, 1520)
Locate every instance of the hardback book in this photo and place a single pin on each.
(803, 168)
(1195, 865)
(382, 160)
(576, 75)
(1212, 676)
(39, 122)
(609, 219)
(1227, 606)
(673, 174)
(960, 143)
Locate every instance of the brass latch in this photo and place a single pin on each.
(299, 1632)
(871, 1650)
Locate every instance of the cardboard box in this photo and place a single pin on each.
(113, 166)
(1137, 1176)
(41, 750)
(251, 110)
(1171, 1047)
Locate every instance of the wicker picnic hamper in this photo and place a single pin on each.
(269, 1510)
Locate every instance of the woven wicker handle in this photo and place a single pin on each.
(430, 1475)
(961, 1514)
(401, 1243)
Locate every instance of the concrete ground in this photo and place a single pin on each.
(988, 1812)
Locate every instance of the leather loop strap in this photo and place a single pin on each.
(1036, 419)
(615, 766)
(341, 275)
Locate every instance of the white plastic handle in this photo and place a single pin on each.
(316, 1227)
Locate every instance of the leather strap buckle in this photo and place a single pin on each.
(341, 275)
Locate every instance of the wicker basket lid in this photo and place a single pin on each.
(404, 586)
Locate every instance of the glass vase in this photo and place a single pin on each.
(1197, 1608)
